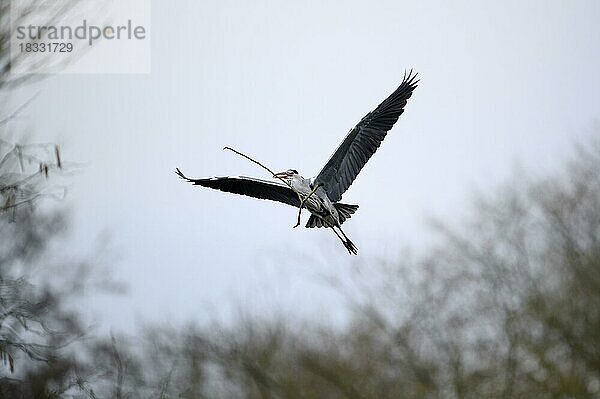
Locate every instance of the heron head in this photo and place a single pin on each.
(287, 174)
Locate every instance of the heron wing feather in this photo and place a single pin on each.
(363, 140)
(248, 186)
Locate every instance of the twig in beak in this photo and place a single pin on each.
(302, 200)
(252, 160)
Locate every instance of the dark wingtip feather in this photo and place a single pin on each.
(411, 79)
(179, 173)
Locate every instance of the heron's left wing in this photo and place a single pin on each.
(249, 186)
(363, 140)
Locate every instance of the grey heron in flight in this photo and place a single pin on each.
(322, 194)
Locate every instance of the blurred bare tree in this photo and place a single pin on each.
(43, 13)
(507, 305)
(41, 331)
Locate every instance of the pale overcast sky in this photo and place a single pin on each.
(501, 83)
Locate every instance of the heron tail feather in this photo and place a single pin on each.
(344, 212)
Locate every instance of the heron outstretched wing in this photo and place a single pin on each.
(363, 140)
(249, 186)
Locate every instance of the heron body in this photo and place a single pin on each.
(318, 203)
(321, 195)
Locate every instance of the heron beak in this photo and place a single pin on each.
(280, 175)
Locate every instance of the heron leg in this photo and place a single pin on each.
(343, 234)
(338, 234)
(346, 241)
(299, 214)
(302, 201)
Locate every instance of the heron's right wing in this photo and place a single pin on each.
(249, 186)
(363, 140)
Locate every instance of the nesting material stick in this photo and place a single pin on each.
(253, 160)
